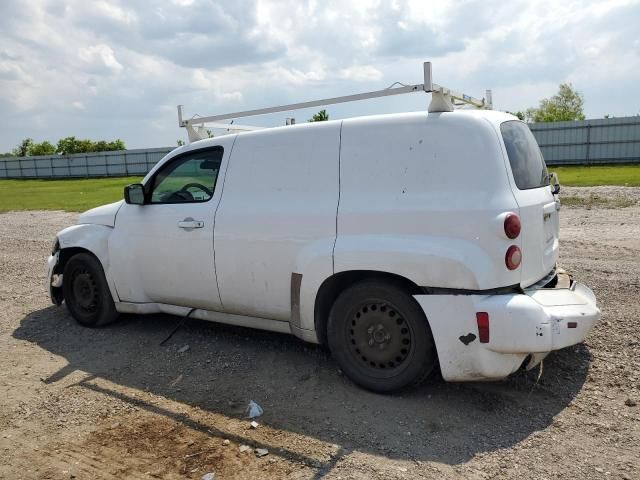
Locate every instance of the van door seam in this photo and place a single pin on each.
(215, 216)
(335, 240)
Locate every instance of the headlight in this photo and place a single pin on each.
(55, 247)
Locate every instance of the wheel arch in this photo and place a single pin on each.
(331, 288)
(86, 238)
(67, 253)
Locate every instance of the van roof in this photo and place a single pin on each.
(464, 116)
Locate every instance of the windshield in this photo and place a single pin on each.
(525, 157)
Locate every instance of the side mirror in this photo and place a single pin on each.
(554, 183)
(134, 194)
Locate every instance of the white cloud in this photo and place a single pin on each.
(99, 59)
(360, 73)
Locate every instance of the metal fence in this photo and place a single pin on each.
(588, 142)
(103, 164)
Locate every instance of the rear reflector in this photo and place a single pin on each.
(513, 257)
(483, 326)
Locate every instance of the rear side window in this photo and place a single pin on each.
(525, 157)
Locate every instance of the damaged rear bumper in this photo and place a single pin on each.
(534, 323)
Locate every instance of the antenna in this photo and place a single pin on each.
(442, 100)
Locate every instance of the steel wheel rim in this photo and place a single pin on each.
(379, 337)
(85, 290)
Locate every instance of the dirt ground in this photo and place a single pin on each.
(113, 403)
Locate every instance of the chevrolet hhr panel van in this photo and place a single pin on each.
(401, 241)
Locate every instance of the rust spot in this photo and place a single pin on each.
(468, 338)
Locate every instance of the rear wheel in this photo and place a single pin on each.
(86, 292)
(380, 337)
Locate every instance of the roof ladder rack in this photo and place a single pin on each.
(442, 100)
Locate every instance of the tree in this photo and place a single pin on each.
(180, 142)
(519, 114)
(44, 148)
(566, 105)
(103, 146)
(22, 150)
(71, 145)
(321, 116)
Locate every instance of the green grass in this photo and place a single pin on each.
(72, 195)
(579, 176)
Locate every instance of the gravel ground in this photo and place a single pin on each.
(113, 403)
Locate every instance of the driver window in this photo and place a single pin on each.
(189, 179)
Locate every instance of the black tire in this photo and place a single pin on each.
(380, 337)
(86, 292)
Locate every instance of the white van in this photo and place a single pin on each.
(401, 241)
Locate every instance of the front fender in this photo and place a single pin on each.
(428, 261)
(93, 238)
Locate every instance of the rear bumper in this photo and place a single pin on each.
(535, 323)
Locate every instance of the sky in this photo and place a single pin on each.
(117, 69)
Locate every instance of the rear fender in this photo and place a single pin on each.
(427, 261)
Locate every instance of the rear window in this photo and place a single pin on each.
(525, 157)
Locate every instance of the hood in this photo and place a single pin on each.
(103, 215)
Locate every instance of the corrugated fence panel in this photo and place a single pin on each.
(589, 142)
(606, 140)
(99, 164)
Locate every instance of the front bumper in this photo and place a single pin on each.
(534, 323)
(54, 280)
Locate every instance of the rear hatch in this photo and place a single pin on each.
(538, 207)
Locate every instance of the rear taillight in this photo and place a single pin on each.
(483, 326)
(513, 257)
(512, 225)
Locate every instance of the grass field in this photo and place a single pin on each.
(77, 195)
(73, 195)
(625, 175)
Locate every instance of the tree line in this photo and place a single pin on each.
(65, 146)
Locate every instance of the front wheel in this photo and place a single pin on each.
(86, 292)
(380, 337)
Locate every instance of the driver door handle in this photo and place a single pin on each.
(189, 223)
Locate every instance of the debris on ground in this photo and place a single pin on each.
(254, 410)
(226, 441)
(175, 381)
(183, 349)
(244, 448)
(208, 476)
(261, 452)
(254, 424)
